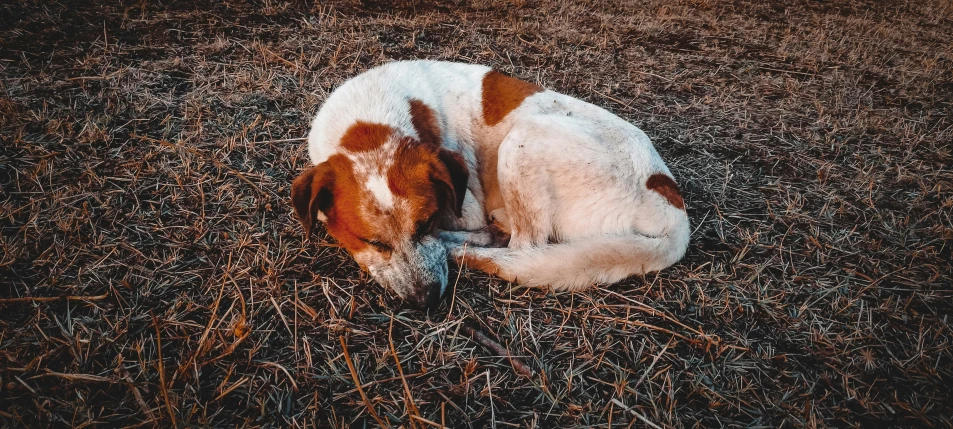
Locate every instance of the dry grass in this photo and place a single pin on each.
(147, 153)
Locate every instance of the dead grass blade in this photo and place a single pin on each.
(162, 384)
(412, 410)
(357, 384)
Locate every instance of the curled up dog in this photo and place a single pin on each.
(420, 162)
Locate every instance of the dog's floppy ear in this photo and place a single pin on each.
(311, 193)
(454, 182)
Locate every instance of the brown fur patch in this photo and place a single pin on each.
(411, 169)
(478, 263)
(411, 178)
(365, 136)
(310, 191)
(458, 175)
(425, 122)
(344, 223)
(502, 94)
(353, 218)
(667, 188)
(487, 160)
(426, 175)
(428, 128)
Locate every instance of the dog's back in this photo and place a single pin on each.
(380, 95)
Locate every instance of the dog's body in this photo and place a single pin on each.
(400, 149)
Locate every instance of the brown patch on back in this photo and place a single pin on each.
(425, 122)
(667, 188)
(502, 94)
(365, 136)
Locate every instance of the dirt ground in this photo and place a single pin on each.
(152, 273)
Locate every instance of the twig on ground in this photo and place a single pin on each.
(497, 348)
(296, 139)
(83, 377)
(52, 298)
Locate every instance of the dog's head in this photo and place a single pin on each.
(381, 198)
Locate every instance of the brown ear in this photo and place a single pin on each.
(311, 193)
(454, 183)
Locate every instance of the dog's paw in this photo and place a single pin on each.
(472, 260)
(489, 236)
(501, 219)
(497, 236)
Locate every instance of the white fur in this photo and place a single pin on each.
(377, 184)
(572, 175)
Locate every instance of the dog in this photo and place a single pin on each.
(421, 162)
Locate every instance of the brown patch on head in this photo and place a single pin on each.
(428, 177)
(331, 188)
(667, 188)
(311, 193)
(425, 122)
(411, 169)
(502, 94)
(410, 180)
(454, 184)
(365, 136)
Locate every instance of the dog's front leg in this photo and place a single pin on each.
(489, 236)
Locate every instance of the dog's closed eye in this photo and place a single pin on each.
(424, 227)
(379, 245)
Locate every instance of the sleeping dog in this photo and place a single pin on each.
(419, 162)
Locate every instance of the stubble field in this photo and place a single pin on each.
(152, 273)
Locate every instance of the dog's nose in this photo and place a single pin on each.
(433, 297)
(428, 298)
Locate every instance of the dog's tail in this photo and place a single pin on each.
(606, 259)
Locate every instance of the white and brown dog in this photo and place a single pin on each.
(420, 161)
